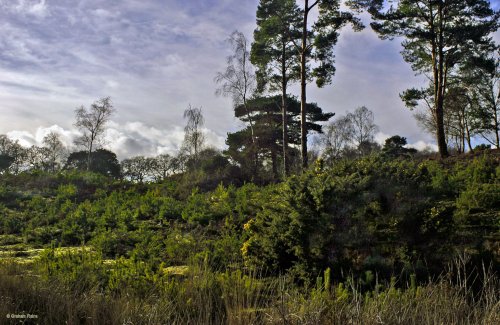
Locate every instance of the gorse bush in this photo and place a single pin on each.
(377, 214)
(361, 211)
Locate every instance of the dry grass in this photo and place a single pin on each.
(205, 297)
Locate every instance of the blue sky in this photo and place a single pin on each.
(154, 58)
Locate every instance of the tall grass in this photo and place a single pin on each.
(203, 296)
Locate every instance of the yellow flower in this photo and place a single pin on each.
(247, 225)
(244, 248)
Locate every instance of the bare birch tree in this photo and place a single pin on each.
(92, 123)
(193, 135)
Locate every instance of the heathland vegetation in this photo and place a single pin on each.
(269, 230)
(368, 240)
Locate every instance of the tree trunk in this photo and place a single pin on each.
(284, 110)
(274, 161)
(250, 122)
(254, 141)
(495, 115)
(89, 156)
(461, 126)
(468, 137)
(440, 132)
(497, 129)
(440, 89)
(254, 150)
(303, 82)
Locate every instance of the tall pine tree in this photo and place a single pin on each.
(316, 45)
(274, 54)
(439, 36)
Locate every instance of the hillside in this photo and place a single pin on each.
(374, 227)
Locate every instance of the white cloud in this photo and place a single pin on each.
(66, 136)
(25, 138)
(28, 139)
(380, 138)
(420, 145)
(126, 140)
(105, 14)
(112, 84)
(423, 146)
(136, 138)
(156, 57)
(37, 8)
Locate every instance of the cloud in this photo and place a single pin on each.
(136, 138)
(420, 145)
(37, 8)
(127, 50)
(126, 140)
(380, 138)
(24, 138)
(28, 139)
(423, 146)
(154, 58)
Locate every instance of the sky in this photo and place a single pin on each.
(154, 58)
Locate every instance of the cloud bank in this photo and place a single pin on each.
(127, 140)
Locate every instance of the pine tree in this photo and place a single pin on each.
(439, 36)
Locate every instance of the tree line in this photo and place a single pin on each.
(447, 41)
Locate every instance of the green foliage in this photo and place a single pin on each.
(5, 162)
(371, 216)
(482, 146)
(79, 270)
(278, 25)
(353, 216)
(197, 209)
(113, 243)
(79, 224)
(267, 129)
(66, 191)
(179, 247)
(102, 162)
(11, 222)
(439, 37)
(394, 147)
(478, 204)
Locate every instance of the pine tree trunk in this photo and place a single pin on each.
(303, 81)
(284, 111)
(440, 132)
(274, 161)
(467, 130)
(495, 115)
(440, 89)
